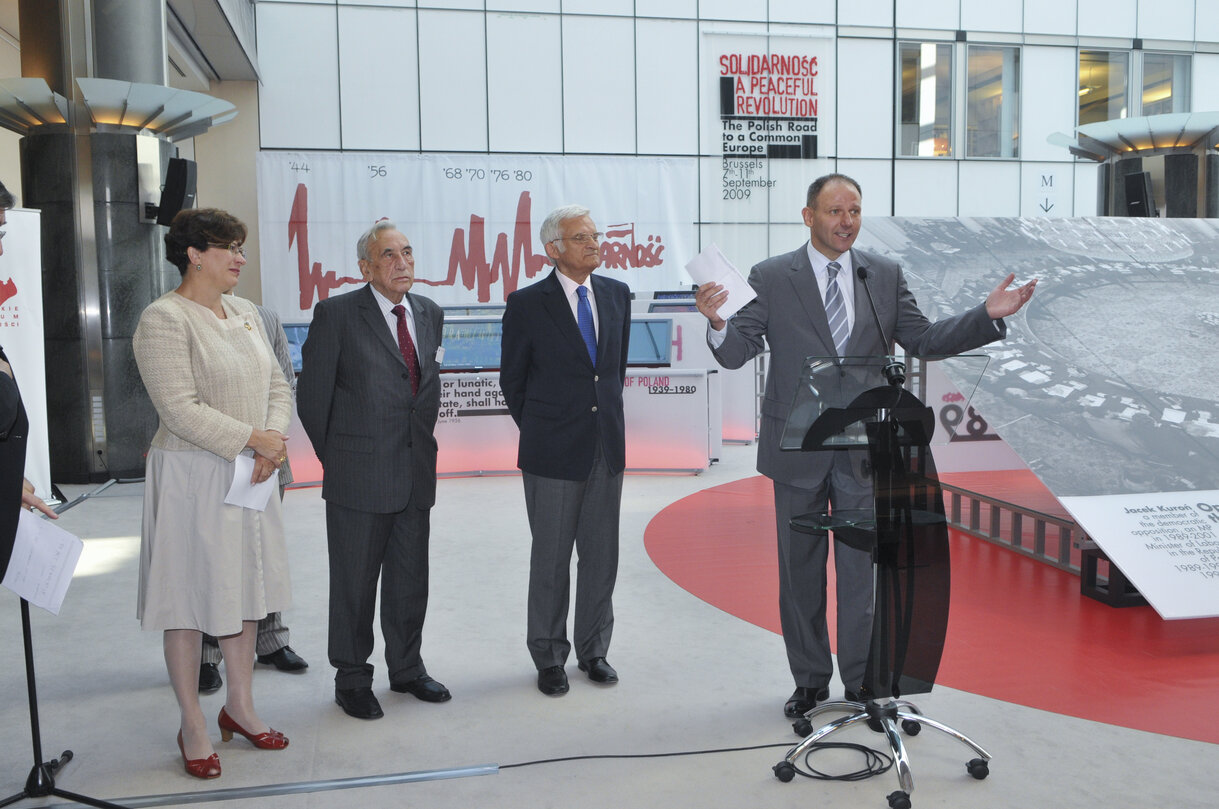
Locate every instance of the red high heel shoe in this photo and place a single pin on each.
(205, 768)
(272, 739)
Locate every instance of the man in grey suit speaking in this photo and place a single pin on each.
(812, 302)
(368, 396)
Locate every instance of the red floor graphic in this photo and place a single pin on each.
(1018, 631)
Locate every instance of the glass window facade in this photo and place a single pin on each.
(992, 125)
(925, 123)
(1104, 78)
(1165, 83)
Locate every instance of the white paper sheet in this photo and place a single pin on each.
(43, 561)
(711, 266)
(243, 493)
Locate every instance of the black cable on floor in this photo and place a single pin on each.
(876, 762)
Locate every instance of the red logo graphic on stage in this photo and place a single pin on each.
(7, 290)
(468, 260)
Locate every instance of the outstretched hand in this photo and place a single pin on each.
(1003, 301)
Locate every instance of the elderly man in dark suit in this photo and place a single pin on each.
(368, 396)
(562, 370)
(812, 302)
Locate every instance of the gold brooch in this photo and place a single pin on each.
(248, 327)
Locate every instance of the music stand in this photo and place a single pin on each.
(41, 780)
(858, 404)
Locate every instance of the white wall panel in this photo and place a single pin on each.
(616, 7)
(1049, 100)
(598, 84)
(471, 5)
(525, 84)
(1047, 189)
(1205, 81)
(865, 98)
(298, 103)
(941, 14)
(925, 188)
(1086, 174)
(987, 188)
(1168, 19)
(821, 12)
(666, 84)
(384, 3)
(748, 10)
(452, 81)
(865, 12)
(551, 6)
(378, 42)
(676, 9)
(1107, 18)
(1049, 17)
(875, 178)
(987, 15)
(1207, 21)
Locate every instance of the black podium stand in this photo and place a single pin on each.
(859, 404)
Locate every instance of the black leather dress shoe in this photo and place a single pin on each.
(358, 702)
(804, 700)
(552, 681)
(424, 688)
(209, 678)
(284, 659)
(599, 671)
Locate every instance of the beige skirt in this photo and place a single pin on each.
(204, 564)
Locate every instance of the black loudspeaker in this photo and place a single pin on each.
(1139, 201)
(179, 190)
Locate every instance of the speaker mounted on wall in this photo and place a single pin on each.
(179, 190)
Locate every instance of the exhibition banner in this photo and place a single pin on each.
(473, 220)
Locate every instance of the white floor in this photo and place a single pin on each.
(693, 678)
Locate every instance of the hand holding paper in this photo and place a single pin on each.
(722, 289)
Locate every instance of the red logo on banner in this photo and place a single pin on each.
(468, 261)
(7, 290)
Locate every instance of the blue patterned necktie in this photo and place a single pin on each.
(836, 310)
(584, 319)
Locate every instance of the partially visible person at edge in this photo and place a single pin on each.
(16, 492)
(206, 566)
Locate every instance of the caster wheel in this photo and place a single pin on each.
(802, 727)
(911, 727)
(978, 768)
(784, 771)
(899, 800)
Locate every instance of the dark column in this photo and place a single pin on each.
(1181, 185)
(1127, 165)
(1104, 180)
(1211, 193)
(101, 265)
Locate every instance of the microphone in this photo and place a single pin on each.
(894, 370)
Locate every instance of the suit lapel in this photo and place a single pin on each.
(863, 309)
(375, 320)
(556, 305)
(804, 283)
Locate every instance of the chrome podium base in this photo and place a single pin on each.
(883, 716)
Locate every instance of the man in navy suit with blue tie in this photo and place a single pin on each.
(562, 369)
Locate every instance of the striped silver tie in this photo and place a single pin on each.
(836, 310)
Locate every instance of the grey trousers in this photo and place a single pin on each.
(272, 636)
(567, 514)
(802, 582)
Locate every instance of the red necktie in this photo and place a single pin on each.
(407, 346)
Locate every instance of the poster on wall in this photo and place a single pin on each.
(765, 98)
(473, 220)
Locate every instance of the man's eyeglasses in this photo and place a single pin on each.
(234, 248)
(582, 238)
